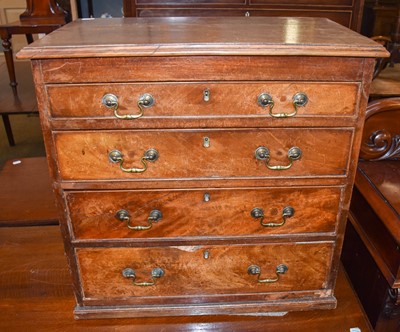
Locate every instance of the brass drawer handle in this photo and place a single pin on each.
(258, 213)
(124, 215)
(116, 156)
(155, 274)
(262, 153)
(111, 101)
(300, 99)
(256, 270)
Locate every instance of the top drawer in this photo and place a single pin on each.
(152, 101)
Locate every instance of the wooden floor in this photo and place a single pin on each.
(36, 295)
(26, 196)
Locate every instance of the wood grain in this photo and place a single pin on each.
(183, 99)
(226, 214)
(171, 52)
(84, 155)
(179, 36)
(26, 194)
(36, 290)
(189, 278)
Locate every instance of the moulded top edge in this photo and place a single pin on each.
(179, 36)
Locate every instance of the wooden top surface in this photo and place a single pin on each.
(36, 294)
(168, 36)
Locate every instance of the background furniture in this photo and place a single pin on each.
(223, 224)
(346, 12)
(40, 16)
(371, 253)
(391, 41)
(22, 103)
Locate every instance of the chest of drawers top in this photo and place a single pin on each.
(178, 36)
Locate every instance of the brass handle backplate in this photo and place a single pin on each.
(155, 274)
(262, 153)
(110, 101)
(256, 270)
(116, 156)
(124, 215)
(300, 99)
(258, 213)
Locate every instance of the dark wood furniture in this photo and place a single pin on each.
(391, 42)
(345, 12)
(199, 173)
(371, 250)
(40, 16)
(25, 193)
(36, 293)
(22, 103)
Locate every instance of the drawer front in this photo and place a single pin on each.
(202, 154)
(194, 271)
(203, 213)
(202, 100)
(202, 68)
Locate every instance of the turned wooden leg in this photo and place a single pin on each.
(8, 129)
(29, 38)
(10, 62)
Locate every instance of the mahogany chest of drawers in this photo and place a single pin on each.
(202, 166)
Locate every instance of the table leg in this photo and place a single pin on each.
(10, 62)
(8, 129)
(29, 38)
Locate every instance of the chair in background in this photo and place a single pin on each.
(371, 250)
(40, 16)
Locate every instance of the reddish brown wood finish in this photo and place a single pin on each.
(85, 155)
(227, 213)
(223, 276)
(154, 37)
(345, 12)
(43, 12)
(182, 100)
(171, 51)
(382, 130)
(42, 297)
(25, 193)
(373, 238)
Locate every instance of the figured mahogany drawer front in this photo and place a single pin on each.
(203, 213)
(93, 155)
(185, 271)
(202, 100)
